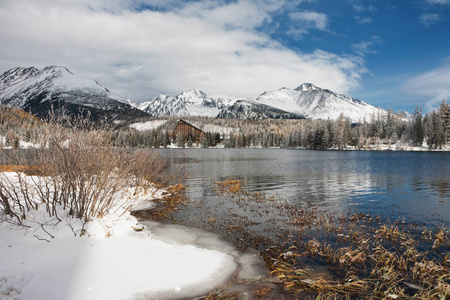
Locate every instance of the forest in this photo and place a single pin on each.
(382, 131)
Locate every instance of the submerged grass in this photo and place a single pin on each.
(165, 206)
(323, 254)
(366, 259)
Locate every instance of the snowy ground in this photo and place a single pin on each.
(47, 259)
(148, 125)
(22, 144)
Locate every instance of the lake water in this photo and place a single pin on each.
(413, 185)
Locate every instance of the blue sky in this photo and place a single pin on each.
(393, 54)
(399, 41)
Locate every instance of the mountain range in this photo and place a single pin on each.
(38, 90)
(305, 101)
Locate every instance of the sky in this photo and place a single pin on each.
(389, 53)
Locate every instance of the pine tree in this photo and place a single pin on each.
(417, 131)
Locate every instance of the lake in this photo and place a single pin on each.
(410, 185)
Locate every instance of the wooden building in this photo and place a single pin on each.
(188, 130)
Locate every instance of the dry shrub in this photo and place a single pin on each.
(84, 173)
(147, 166)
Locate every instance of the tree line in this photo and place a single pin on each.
(381, 130)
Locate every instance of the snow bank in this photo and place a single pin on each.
(47, 259)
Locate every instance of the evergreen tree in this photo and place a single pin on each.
(417, 132)
(436, 137)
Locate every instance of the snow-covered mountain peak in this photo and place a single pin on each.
(37, 89)
(56, 69)
(190, 103)
(317, 103)
(54, 79)
(306, 87)
(17, 74)
(193, 95)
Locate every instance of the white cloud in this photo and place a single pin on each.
(366, 47)
(432, 85)
(429, 19)
(311, 19)
(361, 6)
(363, 20)
(438, 1)
(138, 53)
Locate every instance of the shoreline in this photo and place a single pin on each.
(112, 257)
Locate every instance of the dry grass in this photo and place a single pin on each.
(230, 187)
(367, 259)
(170, 203)
(28, 170)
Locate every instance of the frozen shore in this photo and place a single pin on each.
(114, 258)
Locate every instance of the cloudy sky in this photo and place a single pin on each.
(389, 53)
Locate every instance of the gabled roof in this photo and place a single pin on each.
(183, 121)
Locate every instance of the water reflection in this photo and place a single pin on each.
(390, 183)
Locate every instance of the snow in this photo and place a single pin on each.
(190, 103)
(307, 100)
(316, 103)
(22, 83)
(47, 258)
(224, 131)
(149, 125)
(22, 144)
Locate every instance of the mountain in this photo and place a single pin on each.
(252, 110)
(306, 101)
(38, 91)
(190, 103)
(197, 103)
(317, 103)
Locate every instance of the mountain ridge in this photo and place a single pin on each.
(305, 101)
(54, 87)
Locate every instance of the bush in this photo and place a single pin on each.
(80, 171)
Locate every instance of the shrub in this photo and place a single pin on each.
(80, 171)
